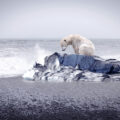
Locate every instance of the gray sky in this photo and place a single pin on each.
(53, 19)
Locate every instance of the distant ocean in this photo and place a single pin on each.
(17, 56)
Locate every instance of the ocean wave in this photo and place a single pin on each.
(18, 64)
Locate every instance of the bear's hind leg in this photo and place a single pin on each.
(86, 50)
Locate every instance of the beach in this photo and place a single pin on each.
(20, 99)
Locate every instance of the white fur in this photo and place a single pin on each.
(81, 45)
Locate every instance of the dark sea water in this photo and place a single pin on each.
(17, 56)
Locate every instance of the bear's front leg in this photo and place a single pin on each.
(76, 51)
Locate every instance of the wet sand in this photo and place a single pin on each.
(21, 100)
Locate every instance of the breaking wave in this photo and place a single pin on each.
(15, 65)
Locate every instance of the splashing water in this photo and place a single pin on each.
(18, 64)
(41, 54)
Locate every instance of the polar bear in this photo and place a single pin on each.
(80, 44)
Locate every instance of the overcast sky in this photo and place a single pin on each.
(53, 19)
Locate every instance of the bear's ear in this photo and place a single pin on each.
(65, 40)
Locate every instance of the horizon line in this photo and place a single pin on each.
(48, 38)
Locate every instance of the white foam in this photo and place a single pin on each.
(12, 66)
(117, 57)
(29, 75)
(19, 64)
(41, 54)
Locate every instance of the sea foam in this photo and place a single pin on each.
(18, 64)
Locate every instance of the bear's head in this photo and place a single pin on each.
(63, 44)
